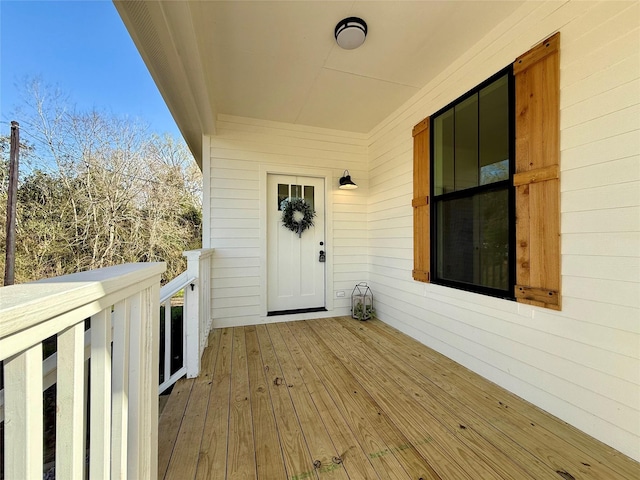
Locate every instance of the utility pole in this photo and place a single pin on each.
(12, 199)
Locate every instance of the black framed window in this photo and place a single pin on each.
(473, 199)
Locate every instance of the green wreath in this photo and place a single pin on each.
(297, 215)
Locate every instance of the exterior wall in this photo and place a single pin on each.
(238, 157)
(581, 364)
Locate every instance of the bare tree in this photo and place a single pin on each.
(103, 190)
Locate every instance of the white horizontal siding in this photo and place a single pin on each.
(583, 363)
(237, 152)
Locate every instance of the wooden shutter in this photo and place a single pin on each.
(420, 202)
(537, 177)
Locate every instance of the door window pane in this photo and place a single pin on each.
(296, 191)
(308, 196)
(283, 194)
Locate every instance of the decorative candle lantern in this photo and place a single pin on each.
(362, 302)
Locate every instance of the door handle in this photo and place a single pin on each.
(322, 257)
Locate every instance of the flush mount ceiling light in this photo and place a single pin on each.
(346, 183)
(351, 32)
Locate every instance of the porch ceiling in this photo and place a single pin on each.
(279, 61)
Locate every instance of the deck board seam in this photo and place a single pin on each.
(282, 424)
(272, 410)
(218, 341)
(318, 340)
(293, 404)
(399, 427)
(253, 430)
(319, 379)
(177, 431)
(226, 456)
(313, 401)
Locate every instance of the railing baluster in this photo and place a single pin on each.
(23, 404)
(167, 340)
(120, 389)
(152, 332)
(70, 447)
(100, 436)
(143, 382)
(135, 405)
(85, 404)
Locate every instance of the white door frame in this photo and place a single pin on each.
(293, 170)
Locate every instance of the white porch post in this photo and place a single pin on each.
(197, 311)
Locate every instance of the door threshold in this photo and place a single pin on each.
(298, 310)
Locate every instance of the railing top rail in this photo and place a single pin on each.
(25, 305)
(175, 285)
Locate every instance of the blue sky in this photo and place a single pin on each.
(83, 48)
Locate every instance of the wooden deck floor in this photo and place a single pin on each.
(341, 399)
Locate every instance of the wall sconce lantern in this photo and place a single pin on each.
(346, 183)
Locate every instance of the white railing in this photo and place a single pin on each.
(170, 351)
(190, 292)
(123, 367)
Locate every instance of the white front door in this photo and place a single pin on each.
(295, 276)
